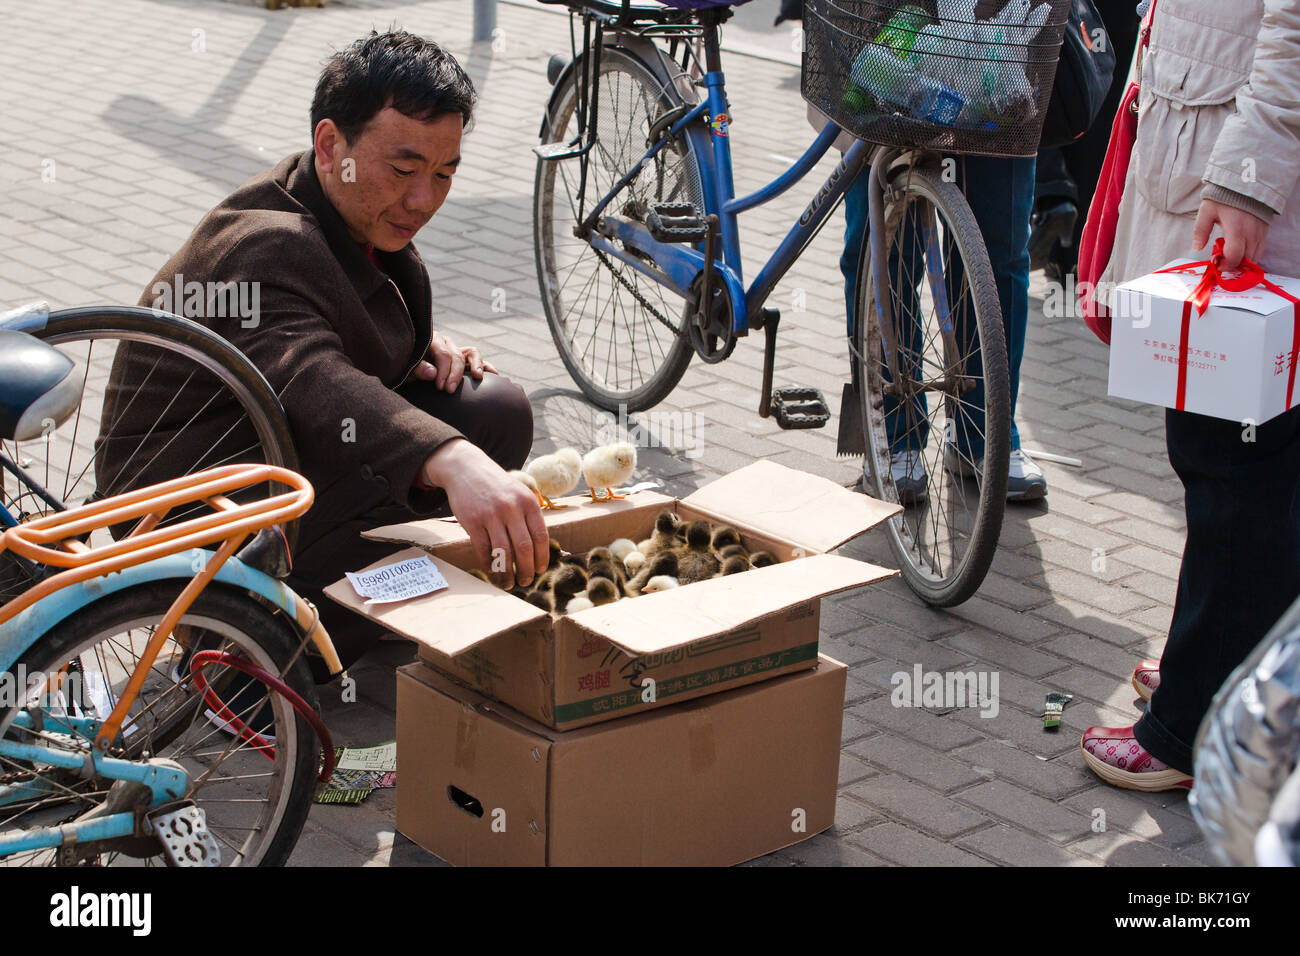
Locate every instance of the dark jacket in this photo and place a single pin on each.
(332, 333)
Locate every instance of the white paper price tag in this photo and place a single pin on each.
(398, 582)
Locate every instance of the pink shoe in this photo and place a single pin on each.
(1114, 754)
(1146, 678)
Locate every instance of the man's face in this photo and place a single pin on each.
(391, 180)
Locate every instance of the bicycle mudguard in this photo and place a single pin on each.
(26, 318)
(644, 50)
(20, 633)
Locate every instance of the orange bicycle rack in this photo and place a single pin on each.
(54, 540)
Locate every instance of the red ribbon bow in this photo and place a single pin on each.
(1212, 278)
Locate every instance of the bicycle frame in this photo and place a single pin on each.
(680, 264)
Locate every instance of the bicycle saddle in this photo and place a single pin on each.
(38, 390)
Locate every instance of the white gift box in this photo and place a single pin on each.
(1239, 355)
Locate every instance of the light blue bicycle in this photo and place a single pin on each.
(155, 703)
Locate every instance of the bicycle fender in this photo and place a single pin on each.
(20, 633)
(639, 48)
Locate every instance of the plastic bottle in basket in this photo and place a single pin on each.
(883, 77)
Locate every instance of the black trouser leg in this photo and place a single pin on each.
(492, 413)
(1241, 564)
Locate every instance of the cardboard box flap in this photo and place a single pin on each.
(467, 612)
(435, 533)
(807, 510)
(668, 619)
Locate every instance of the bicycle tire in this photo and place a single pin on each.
(238, 407)
(944, 548)
(168, 721)
(608, 315)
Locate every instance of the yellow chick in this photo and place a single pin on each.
(660, 582)
(622, 547)
(579, 603)
(555, 475)
(634, 561)
(528, 481)
(608, 467)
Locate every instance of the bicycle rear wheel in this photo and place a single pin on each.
(162, 397)
(621, 335)
(255, 807)
(936, 413)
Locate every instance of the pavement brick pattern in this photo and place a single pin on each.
(123, 123)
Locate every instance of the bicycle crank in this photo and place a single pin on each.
(710, 328)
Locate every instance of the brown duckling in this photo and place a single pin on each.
(601, 590)
(569, 581)
(667, 534)
(734, 564)
(602, 563)
(695, 560)
(761, 559)
(724, 537)
(665, 562)
(541, 599)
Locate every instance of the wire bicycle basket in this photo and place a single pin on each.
(954, 76)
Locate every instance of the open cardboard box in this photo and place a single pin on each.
(709, 782)
(644, 652)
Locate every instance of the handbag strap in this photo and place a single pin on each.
(1144, 41)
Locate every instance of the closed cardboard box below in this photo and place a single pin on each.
(709, 782)
(658, 649)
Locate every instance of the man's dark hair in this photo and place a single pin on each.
(414, 76)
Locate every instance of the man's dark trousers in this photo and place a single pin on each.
(493, 413)
(1241, 564)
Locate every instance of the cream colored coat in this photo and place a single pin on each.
(1220, 104)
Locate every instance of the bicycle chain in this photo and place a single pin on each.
(636, 294)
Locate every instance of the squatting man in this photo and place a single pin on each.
(391, 419)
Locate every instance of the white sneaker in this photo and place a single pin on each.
(910, 479)
(1025, 480)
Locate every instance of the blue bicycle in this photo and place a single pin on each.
(638, 257)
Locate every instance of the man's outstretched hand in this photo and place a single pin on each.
(498, 513)
(450, 363)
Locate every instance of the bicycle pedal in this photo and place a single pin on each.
(553, 152)
(677, 222)
(798, 406)
(185, 837)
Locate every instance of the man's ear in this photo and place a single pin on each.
(329, 145)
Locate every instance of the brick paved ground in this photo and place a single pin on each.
(150, 111)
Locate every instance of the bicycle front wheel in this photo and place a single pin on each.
(163, 397)
(934, 386)
(621, 335)
(255, 799)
